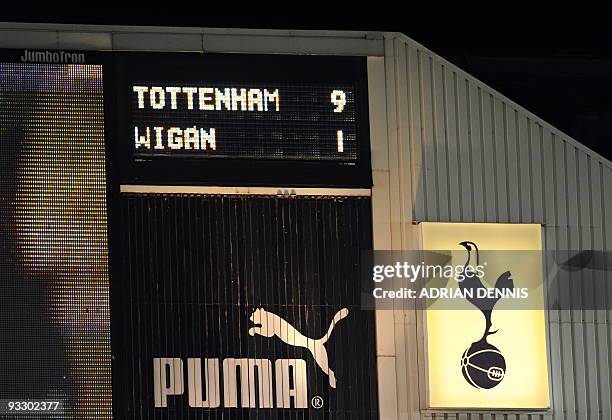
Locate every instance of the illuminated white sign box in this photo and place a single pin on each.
(483, 357)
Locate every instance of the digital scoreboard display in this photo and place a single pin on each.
(241, 121)
(232, 119)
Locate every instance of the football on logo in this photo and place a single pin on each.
(483, 365)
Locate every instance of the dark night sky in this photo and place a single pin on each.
(558, 68)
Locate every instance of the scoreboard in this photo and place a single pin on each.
(206, 119)
(314, 124)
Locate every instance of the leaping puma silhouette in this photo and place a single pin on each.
(269, 324)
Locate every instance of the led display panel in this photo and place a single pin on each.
(54, 306)
(231, 119)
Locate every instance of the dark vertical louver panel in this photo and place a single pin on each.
(195, 268)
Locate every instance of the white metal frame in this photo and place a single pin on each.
(150, 38)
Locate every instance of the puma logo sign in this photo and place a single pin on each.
(268, 324)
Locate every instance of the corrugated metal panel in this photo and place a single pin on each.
(461, 152)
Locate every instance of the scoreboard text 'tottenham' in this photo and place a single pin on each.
(256, 121)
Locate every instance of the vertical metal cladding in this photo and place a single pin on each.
(460, 152)
(196, 270)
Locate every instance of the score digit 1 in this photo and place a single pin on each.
(338, 98)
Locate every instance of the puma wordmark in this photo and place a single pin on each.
(250, 379)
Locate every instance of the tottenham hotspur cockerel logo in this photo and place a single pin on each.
(482, 364)
(268, 324)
